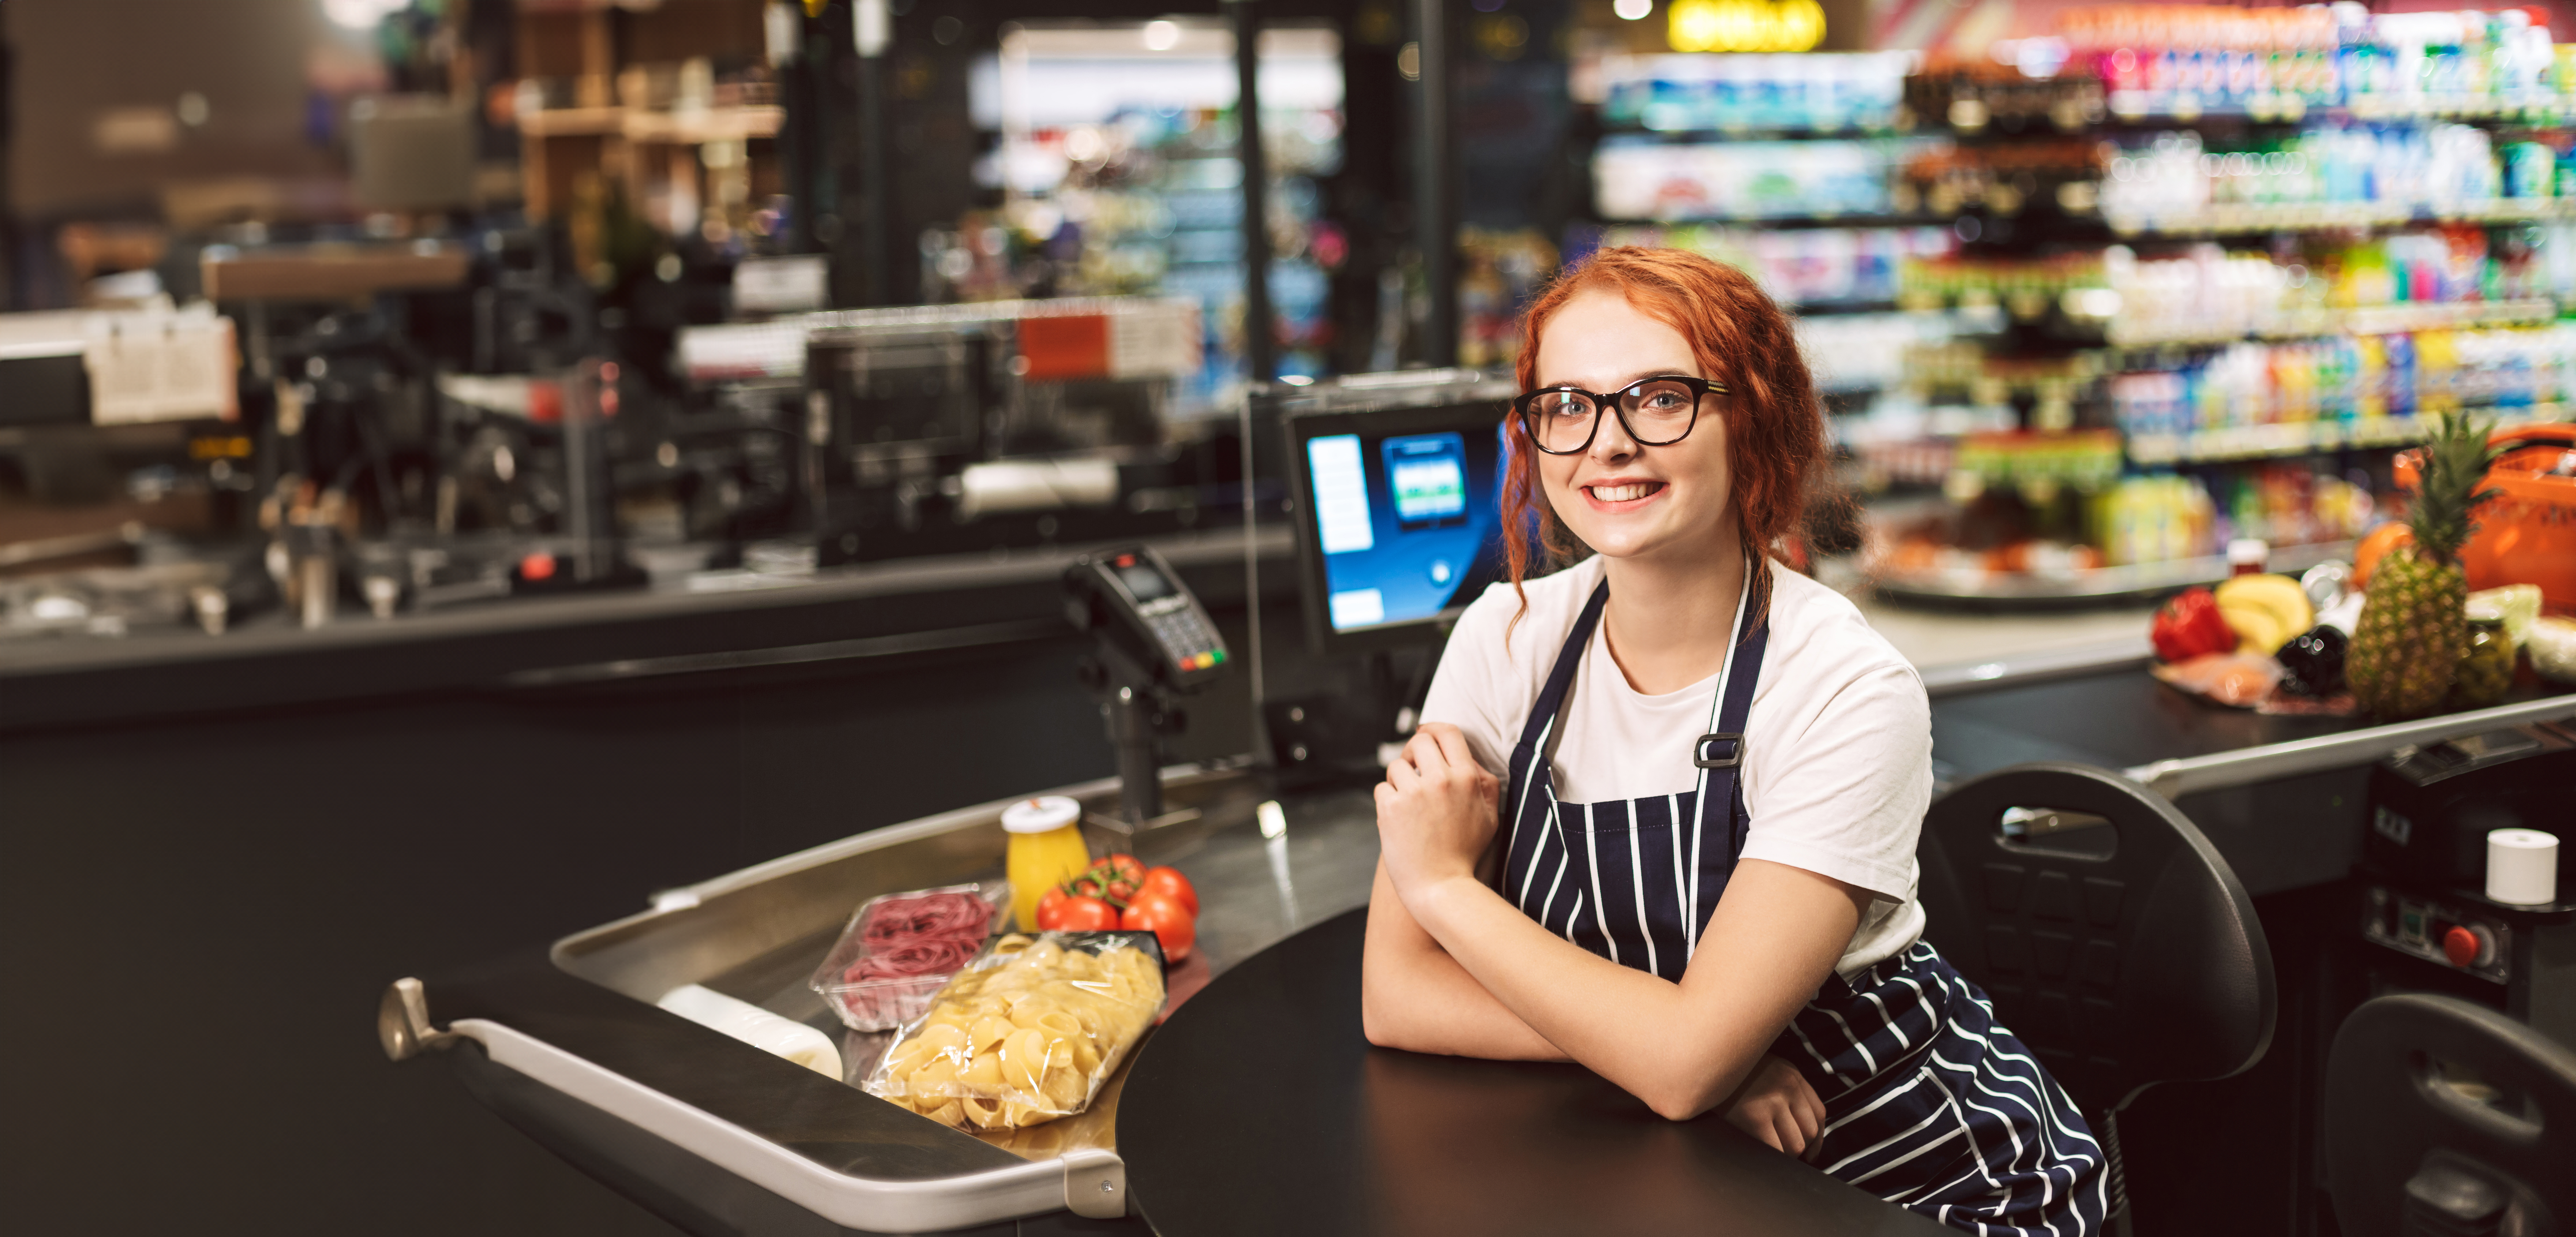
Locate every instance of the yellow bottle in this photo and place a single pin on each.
(1046, 851)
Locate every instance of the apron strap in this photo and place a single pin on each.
(1529, 757)
(1551, 698)
(1723, 822)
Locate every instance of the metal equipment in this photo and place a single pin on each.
(721, 1138)
(948, 428)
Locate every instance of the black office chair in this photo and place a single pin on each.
(2113, 939)
(2444, 1118)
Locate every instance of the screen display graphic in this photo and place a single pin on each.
(1406, 522)
(1428, 473)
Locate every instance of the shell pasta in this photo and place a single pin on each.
(1027, 1032)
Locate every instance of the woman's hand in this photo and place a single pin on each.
(1435, 810)
(1776, 1105)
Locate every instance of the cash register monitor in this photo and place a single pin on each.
(1397, 528)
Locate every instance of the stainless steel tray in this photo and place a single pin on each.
(716, 1135)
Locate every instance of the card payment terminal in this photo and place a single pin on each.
(1155, 643)
(1137, 604)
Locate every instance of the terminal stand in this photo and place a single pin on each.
(1346, 735)
(1137, 719)
(1152, 643)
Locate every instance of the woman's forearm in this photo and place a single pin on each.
(1682, 1048)
(1625, 1024)
(1416, 997)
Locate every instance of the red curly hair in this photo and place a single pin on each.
(1776, 444)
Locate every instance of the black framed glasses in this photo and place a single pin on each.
(1656, 412)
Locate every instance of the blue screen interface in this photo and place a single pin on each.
(1407, 523)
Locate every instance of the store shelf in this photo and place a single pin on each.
(2099, 584)
(716, 124)
(2290, 109)
(2254, 442)
(2335, 216)
(572, 122)
(1766, 132)
(330, 271)
(1810, 219)
(684, 128)
(2367, 320)
(2555, 111)
(1839, 309)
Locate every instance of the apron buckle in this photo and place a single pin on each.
(1718, 751)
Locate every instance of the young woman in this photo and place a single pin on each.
(1660, 816)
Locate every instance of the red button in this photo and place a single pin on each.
(537, 566)
(2462, 946)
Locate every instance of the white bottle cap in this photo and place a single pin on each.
(2251, 552)
(2522, 866)
(1044, 814)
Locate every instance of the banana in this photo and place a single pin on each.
(2265, 611)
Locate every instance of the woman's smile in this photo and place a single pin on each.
(1623, 494)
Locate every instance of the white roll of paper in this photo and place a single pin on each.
(1035, 485)
(2522, 866)
(757, 1027)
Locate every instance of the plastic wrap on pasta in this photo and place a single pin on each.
(1028, 1032)
(900, 948)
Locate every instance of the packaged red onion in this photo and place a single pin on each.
(900, 948)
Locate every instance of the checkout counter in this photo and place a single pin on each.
(1257, 1105)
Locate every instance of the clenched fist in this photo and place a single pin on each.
(1777, 1105)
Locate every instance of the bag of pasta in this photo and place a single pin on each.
(1028, 1032)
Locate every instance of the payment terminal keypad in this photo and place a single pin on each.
(1148, 617)
(1182, 634)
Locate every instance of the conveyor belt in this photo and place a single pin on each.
(2100, 706)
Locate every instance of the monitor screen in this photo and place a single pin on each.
(1402, 512)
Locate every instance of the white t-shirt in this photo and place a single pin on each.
(1838, 744)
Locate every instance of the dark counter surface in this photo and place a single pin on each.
(2117, 717)
(1260, 1108)
(710, 621)
(2290, 830)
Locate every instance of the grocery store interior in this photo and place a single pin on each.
(832, 614)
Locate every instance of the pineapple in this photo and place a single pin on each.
(2413, 625)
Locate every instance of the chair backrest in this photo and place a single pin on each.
(2123, 951)
(2414, 1144)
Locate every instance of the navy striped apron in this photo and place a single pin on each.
(1929, 1101)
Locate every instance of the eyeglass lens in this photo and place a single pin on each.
(1656, 412)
